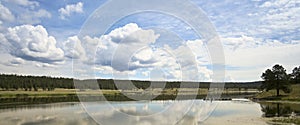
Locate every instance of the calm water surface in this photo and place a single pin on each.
(146, 113)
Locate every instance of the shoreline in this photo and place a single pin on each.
(72, 92)
(283, 120)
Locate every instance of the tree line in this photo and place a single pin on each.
(274, 78)
(34, 83)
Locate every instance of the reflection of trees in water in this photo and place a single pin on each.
(278, 109)
(32, 102)
(39, 106)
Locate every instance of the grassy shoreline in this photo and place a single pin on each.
(293, 96)
(55, 93)
(283, 120)
(70, 92)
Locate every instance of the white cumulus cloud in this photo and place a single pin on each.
(129, 50)
(69, 9)
(32, 43)
(73, 48)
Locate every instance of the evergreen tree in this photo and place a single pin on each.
(277, 78)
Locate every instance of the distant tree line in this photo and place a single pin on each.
(111, 84)
(34, 83)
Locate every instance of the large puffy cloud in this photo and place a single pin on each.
(32, 43)
(73, 48)
(133, 50)
(114, 50)
(128, 47)
(69, 9)
(130, 36)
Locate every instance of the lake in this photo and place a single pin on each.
(166, 112)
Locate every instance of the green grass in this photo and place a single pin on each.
(68, 92)
(56, 92)
(271, 95)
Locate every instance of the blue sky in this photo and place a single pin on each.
(43, 38)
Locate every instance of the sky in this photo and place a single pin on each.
(53, 38)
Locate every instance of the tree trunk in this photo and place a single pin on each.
(277, 86)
